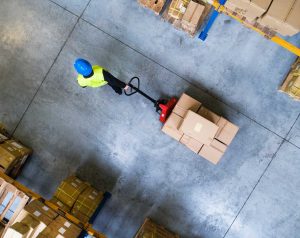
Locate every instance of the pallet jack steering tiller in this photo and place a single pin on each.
(163, 106)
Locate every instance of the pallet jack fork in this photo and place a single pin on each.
(163, 106)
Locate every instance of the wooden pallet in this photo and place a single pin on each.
(153, 230)
(12, 200)
(177, 23)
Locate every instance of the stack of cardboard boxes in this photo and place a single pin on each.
(199, 129)
(189, 14)
(37, 219)
(77, 197)
(154, 5)
(282, 16)
(12, 155)
(291, 85)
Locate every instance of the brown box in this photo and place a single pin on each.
(69, 190)
(60, 204)
(278, 14)
(3, 137)
(219, 145)
(17, 230)
(80, 216)
(171, 127)
(186, 103)
(293, 19)
(209, 115)
(211, 154)
(88, 201)
(191, 143)
(177, 8)
(227, 131)
(199, 128)
(11, 152)
(192, 17)
(64, 227)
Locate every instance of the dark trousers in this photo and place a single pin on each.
(115, 83)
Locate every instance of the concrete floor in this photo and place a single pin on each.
(116, 143)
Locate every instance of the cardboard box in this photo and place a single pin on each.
(211, 154)
(88, 201)
(17, 230)
(199, 128)
(12, 152)
(218, 145)
(191, 143)
(42, 221)
(279, 15)
(192, 17)
(249, 9)
(37, 205)
(155, 5)
(186, 103)
(80, 216)
(177, 8)
(209, 115)
(293, 19)
(227, 131)
(171, 127)
(60, 204)
(69, 190)
(61, 226)
(3, 137)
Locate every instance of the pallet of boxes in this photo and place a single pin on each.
(37, 220)
(77, 198)
(152, 230)
(270, 16)
(291, 85)
(199, 129)
(13, 154)
(187, 15)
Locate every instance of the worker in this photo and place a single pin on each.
(96, 76)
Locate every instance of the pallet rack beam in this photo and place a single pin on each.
(219, 7)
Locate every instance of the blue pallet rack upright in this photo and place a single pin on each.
(203, 35)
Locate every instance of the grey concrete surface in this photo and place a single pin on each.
(231, 62)
(90, 128)
(31, 35)
(75, 6)
(272, 210)
(294, 135)
(115, 142)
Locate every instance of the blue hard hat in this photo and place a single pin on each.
(83, 67)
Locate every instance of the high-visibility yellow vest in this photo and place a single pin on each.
(95, 81)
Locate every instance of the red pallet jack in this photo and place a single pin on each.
(163, 106)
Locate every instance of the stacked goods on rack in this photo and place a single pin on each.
(77, 197)
(281, 16)
(39, 220)
(154, 5)
(291, 85)
(187, 15)
(12, 154)
(199, 129)
(12, 201)
(153, 230)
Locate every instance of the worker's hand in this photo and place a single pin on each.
(127, 87)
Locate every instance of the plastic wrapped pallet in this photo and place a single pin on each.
(69, 190)
(177, 8)
(88, 201)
